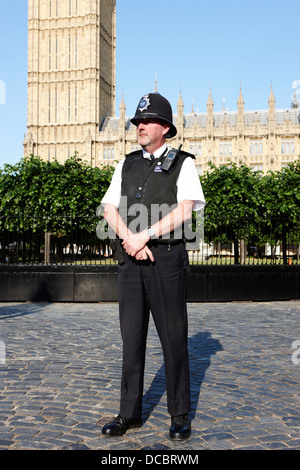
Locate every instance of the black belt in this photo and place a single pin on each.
(161, 242)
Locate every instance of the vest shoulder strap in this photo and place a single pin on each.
(132, 154)
(136, 153)
(186, 154)
(129, 158)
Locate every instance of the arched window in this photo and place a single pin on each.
(287, 147)
(292, 146)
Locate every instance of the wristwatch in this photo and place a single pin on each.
(151, 232)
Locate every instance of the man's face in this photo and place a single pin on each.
(151, 134)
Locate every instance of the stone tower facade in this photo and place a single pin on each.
(71, 75)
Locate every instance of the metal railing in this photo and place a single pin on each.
(276, 241)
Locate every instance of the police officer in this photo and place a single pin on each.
(146, 206)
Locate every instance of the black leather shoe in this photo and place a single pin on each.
(180, 427)
(119, 425)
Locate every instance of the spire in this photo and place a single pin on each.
(122, 107)
(240, 119)
(240, 100)
(240, 108)
(271, 97)
(155, 84)
(180, 117)
(210, 102)
(180, 102)
(122, 120)
(210, 109)
(192, 110)
(272, 116)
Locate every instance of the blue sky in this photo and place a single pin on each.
(191, 45)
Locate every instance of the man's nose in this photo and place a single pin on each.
(142, 124)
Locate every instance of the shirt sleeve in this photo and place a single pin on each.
(189, 186)
(113, 194)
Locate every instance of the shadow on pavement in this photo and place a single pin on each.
(20, 309)
(201, 347)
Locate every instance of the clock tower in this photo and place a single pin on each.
(71, 76)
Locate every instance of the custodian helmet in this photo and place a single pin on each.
(155, 106)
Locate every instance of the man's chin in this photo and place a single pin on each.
(143, 142)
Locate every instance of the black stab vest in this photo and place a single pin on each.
(156, 191)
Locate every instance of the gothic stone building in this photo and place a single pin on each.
(263, 139)
(71, 100)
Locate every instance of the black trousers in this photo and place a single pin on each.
(159, 287)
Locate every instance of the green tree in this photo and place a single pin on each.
(232, 204)
(280, 210)
(49, 197)
(52, 190)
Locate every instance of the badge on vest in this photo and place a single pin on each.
(157, 168)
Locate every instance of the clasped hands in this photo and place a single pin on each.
(136, 245)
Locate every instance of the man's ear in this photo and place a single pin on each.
(166, 129)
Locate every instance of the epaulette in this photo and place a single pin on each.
(129, 158)
(186, 154)
(132, 154)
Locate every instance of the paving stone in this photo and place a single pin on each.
(61, 379)
(4, 443)
(76, 447)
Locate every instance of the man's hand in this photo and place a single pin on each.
(144, 254)
(135, 242)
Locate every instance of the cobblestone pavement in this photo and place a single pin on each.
(60, 368)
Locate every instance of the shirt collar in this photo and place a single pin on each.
(157, 152)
